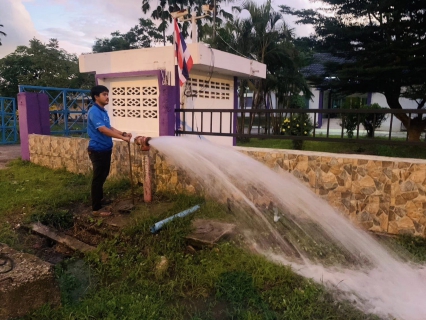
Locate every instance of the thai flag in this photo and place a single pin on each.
(183, 56)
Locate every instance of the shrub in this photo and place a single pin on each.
(370, 121)
(297, 125)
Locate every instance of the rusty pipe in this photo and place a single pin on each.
(143, 142)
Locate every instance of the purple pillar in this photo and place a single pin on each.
(166, 108)
(320, 106)
(369, 96)
(33, 118)
(176, 98)
(234, 142)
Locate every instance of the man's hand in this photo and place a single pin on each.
(127, 138)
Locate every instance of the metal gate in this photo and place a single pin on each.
(9, 125)
(68, 109)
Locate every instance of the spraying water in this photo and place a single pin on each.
(285, 221)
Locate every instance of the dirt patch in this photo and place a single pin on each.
(9, 152)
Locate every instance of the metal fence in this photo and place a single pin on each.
(8, 117)
(68, 109)
(270, 123)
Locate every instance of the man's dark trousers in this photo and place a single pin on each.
(101, 161)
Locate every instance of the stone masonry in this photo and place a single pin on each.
(377, 193)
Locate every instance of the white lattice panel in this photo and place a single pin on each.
(218, 93)
(134, 105)
(210, 89)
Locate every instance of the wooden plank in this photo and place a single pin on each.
(61, 238)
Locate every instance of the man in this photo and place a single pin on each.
(100, 146)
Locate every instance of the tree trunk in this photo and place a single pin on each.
(414, 126)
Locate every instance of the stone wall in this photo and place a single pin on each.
(378, 193)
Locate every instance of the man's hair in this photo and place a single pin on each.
(97, 90)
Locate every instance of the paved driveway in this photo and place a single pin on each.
(9, 152)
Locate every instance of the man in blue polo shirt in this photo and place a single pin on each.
(100, 145)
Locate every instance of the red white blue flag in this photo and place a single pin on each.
(184, 58)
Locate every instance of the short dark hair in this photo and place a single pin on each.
(97, 90)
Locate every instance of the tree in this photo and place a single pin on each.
(266, 38)
(41, 65)
(142, 35)
(165, 7)
(1, 33)
(383, 45)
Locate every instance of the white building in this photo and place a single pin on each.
(145, 92)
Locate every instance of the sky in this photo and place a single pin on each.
(77, 23)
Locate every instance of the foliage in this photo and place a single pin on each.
(143, 35)
(2, 33)
(297, 125)
(414, 245)
(41, 64)
(265, 37)
(370, 121)
(163, 9)
(381, 45)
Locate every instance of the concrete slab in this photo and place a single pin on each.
(26, 283)
(9, 152)
(208, 232)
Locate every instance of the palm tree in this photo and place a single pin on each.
(1, 33)
(165, 7)
(265, 37)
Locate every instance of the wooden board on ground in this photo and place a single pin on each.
(208, 232)
(61, 238)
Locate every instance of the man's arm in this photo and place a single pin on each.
(114, 133)
(125, 134)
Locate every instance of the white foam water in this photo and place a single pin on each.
(295, 227)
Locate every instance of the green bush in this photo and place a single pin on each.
(370, 121)
(297, 125)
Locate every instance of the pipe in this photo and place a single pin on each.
(147, 190)
(156, 227)
(143, 142)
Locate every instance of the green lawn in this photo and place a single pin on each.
(342, 147)
(121, 279)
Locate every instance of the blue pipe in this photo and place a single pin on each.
(156, 227)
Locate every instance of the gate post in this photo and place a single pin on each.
(34, 115)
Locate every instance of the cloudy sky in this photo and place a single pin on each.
(77, 23)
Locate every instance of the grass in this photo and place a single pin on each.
(341, 147)
(33, 193)
(122, 280)
(224, 282)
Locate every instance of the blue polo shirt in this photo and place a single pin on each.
(98, 117)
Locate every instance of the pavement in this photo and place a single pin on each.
(9, 152)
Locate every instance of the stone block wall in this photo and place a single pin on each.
(71, 154)
(377, 193)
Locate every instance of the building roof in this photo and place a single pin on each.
(163, 58)
(317, 68)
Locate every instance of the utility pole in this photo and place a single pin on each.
(214, 20)
(180, 15)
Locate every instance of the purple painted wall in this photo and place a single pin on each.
(166, 99)
(369, 96)
(321, 106)
(34, 118)
(234, 142)
(176, 98)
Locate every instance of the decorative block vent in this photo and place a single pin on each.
(127, 101)
(150, 114)
(210, 89)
